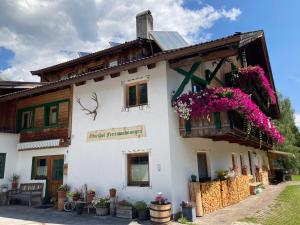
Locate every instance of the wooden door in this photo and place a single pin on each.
(202, 165)
(55, 174)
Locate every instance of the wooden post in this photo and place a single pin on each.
(195, 196)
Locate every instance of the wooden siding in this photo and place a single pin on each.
(44, 98)
(40, 131)
(8, 121)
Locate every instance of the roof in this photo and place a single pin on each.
(19, 84)
(232, 40)
(7, 87)
(91, 56)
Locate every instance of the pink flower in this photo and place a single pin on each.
(225, 99)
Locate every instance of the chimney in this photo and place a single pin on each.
(144, 24)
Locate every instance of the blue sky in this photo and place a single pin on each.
(34, 35)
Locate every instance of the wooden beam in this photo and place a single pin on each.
(132, 70)
(80, 83)
(98, 79)
(208, 57)
(113, 75)
(151, 66)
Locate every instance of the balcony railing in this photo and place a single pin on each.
(225, 126)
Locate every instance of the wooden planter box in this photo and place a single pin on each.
(126, 212)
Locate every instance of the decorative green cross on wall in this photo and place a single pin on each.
(189, 76)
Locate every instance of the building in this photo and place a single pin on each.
(106, 119)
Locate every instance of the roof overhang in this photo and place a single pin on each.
(281, 153)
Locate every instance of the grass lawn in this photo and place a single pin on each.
(295, 177)
(284, 211)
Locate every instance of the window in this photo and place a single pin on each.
(138, 169)
(51, 115)
(241, 162)
(41, 168)
(197, 87)
(137, 94)
(27, 120)
(2, 164)
(233, 159)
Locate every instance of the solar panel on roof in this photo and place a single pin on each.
(80, 54)
(168, 40)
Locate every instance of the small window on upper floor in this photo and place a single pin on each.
(136, 94)
(51, 115)
(27, 120)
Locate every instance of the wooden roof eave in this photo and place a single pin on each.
(161, 56)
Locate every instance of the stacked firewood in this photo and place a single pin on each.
(211, 196)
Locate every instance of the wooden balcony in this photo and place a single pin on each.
(224, 126)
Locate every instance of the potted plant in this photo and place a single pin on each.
(75, 195)
(160, 209)
(4, 188)
(193, 178)
(124, 209)
(101, 205)
(90, 195)
(188, 211)
(14, 179)
(142, 210)
(222, 174)
(61, 196)
(112, 192)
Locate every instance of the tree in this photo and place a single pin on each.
(286, 125)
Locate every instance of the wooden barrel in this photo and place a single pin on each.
(160, 214)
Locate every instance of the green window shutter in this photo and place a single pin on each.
(217, 119)
(58, 169)
(2, 164)
(32, 168)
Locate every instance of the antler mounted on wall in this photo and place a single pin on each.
(90, 112)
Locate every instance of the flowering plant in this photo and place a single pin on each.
(100, 202)
(256, 74)
(160, 199)
(212, 100)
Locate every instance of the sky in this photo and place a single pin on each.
(39, 33)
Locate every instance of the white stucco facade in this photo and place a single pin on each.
(172, 159)
(9, 147)
(103, 164)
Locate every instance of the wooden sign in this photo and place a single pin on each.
(117, 133)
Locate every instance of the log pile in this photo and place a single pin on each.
(263, 177)
(233, 196)
(243, 187)
(214, 195)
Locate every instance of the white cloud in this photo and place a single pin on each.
(42, 33)
(297, 119)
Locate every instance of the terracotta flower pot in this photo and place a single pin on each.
(61, 195)
(14, 185)
(75, 198)
(90, 197)
(112, 192)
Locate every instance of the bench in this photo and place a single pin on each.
(27, 192)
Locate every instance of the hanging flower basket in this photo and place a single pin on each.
(257, 75)
(201, 104)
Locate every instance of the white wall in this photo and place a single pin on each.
(8, 143)
(102, 164)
